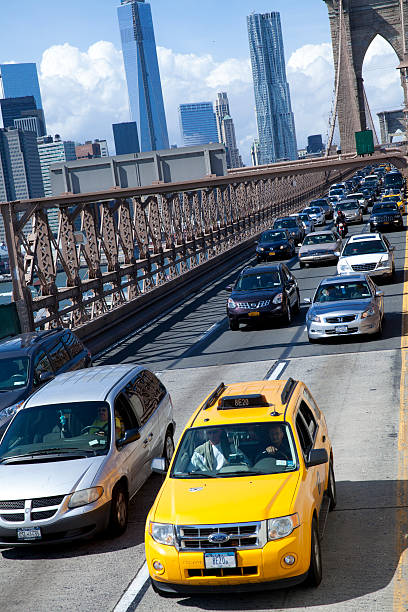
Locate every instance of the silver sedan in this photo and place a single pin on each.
(344, 307)
(320, 247)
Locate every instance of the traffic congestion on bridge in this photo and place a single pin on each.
(203, 350)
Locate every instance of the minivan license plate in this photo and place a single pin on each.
(32, 533)
(221, 559)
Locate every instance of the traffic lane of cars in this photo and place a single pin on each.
(363, 527)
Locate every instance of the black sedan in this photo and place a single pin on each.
(385, 215)
(275, 244)
(263, 292)
(293, 225)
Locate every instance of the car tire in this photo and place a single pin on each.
(315, 573)
(168, 449)
(297, 305)
(312, 340)
(233, 325)
(288, 314)
(301, 264)
(331, 488)
(119, 511)
(378, 334)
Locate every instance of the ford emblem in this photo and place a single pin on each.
(218, 538)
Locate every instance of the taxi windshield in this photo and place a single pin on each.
(245, 449)
(83, 427)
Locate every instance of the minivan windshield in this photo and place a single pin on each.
(244, 449)
(13, 373)
(61, 428)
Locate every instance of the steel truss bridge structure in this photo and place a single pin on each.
(118, 251)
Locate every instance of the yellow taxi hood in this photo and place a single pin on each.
(225, 500)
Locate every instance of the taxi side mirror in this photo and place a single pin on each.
(159, 465)
(317, 456)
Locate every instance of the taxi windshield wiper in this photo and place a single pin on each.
(194, 473)
(243, 473)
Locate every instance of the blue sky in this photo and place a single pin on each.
(209, 26)
(202, 49)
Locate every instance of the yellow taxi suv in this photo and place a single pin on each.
(245, 500)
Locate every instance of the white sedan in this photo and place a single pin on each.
(317, 214)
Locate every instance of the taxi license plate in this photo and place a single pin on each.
(221, 559)
(253, 314)
(341, 329)
(33, 533)
(271, 252)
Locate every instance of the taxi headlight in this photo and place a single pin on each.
(281, 527)
(163, 533)
(84, 497)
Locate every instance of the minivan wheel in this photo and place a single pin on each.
(168, 450)
(315, 573)
(119, 513)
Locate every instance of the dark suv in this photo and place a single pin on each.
(27, 361)
(275, 244)
(263, 292)
(293, 225)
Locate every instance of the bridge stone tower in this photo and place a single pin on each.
(354, 24)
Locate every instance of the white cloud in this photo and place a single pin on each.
(84, 92)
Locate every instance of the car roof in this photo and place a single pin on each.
(24, 344)
(325, 232)
(276, 395)
(343, 279)
(90, 384)
(282, 218)
(266, 267)
(357, 237)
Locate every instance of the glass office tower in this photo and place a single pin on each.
(20, 80)
(197, 123)
(142, 74)
(276, 124)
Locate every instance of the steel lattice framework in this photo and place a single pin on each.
(114, 247)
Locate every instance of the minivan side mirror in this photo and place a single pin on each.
(45, 377)
(317, 456)
(131, 435)
(159, 465)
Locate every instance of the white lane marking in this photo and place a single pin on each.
(210, 330)
(277, 370)
(133, 590)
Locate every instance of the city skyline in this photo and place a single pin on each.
(80, 67)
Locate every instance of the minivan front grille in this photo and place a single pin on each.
(12, 505)
(44, 502)
(238, 535)
(38, 509)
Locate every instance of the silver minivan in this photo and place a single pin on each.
(78, 450)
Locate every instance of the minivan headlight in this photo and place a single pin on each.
(84, 497)
(282, 527)
(163, 533)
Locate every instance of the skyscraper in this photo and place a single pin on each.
(20, 81)
(226, 130)
(126, 138)
(20, 170)
(276, 125)
(142, 74)
(197, 123)
(23, 113)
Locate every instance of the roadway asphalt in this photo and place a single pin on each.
(356, 384)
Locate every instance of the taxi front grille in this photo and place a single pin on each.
(251, 570)
(238, 535)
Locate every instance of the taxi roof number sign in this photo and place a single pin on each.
(254, 400)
